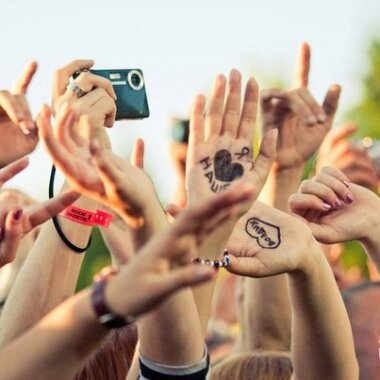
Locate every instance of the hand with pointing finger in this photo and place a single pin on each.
(302, 122)
(19, 136)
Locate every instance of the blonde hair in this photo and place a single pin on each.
(265, 365)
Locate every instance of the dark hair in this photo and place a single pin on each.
(113, 358)
(266, 365)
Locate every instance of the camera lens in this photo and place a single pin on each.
(135, 80)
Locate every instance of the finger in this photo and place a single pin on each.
(98, 105)
(62, 75)
(315, 108)
(298, 105)
(270, 94)
(13, 169)
(192, 218)
(57, 151)
(88, 81)
(330, 103)
(214, 116)
(248, 117)
(337, 186)
(66, 131)
(301, 203)
(301, 74)
(46, 210)
(196, 127)
(266, 156)
(137, 155)
(22, 83)
(322, 191)
(11, 236)
(341, 134)
(243, 266)
(27, 125)
(231, 114)
(173, 210)
(11, 107)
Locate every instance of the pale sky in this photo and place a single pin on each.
(181, 46)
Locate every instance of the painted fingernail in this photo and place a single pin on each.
(1, 233)
(312, 119)
(326, 206)
(346, 182)
(321, 117)
(349, 198)
(337, 203)
(17, 215)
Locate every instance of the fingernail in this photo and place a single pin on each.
(321, 117)
(1, 233)
(312, 119)
(337, 203)
(326, 206)
(346, 182)
(17, 215)
(349, 198)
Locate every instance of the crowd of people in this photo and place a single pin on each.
(247, 240)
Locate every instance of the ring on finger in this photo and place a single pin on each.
(76, 89)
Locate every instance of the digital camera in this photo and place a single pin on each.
(129, 86)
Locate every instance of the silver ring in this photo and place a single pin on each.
(76, 89)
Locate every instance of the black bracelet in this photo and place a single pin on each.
(57, 226)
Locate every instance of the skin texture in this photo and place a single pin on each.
(57, 280)
(356, 217)
(312, 290)
(16, 122)
(160, 268)
(224, 130)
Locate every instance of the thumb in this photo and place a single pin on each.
(11, 236)
(330, 103)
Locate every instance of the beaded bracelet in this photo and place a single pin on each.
(214, 263)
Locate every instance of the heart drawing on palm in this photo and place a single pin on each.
(224, 170)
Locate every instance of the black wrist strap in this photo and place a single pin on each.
(57, 226)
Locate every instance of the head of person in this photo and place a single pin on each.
(362, 303)
(113, 358)
(265, 365)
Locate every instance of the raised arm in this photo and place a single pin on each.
(58, 345)
(268, 242)
(221, 152)
(51, 269)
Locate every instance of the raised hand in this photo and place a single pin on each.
(221, 140)
(19, 135)
(95, 171)
(17, 221)
(163, 265)
(336, 210)
(352, 159)
(267, 241)
(302, 122)
(96, 102)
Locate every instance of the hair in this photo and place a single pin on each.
(266, 365)
(113, 358)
